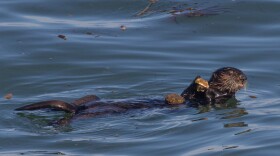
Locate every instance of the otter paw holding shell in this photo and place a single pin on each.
(202, 85)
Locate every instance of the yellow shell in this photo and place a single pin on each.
(202, 84)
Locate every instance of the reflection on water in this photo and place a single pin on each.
(237, 124)
(235, 113)
(62, 121)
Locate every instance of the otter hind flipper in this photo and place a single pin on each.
(53, 104)
(86, 99)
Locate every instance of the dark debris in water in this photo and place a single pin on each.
(95, 35)
(89, 33)
(186, 10)
(62, 37)
(123, 27)
(42, 153)
(210, 149)
(146, 9)
(252, 96)
(249, 130)
(196, 12)
(230, 147)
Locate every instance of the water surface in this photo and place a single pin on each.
(158, 53)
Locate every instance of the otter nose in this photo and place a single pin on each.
(243, 85)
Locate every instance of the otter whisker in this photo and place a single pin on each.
(245, 86)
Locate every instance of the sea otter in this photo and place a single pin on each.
(223, 84)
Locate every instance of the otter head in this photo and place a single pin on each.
(225, 82)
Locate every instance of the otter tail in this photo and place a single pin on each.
(53, 104)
